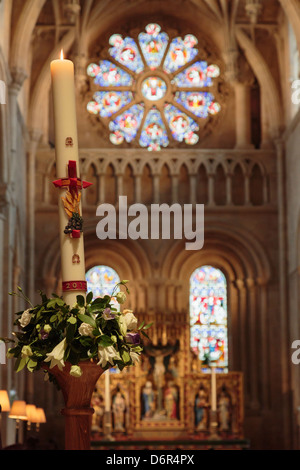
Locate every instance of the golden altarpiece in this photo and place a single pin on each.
(168, 394)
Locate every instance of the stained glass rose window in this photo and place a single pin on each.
(154, 89)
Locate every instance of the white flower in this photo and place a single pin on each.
(25, 318)
(131, 320)
(134, 356)
(121, 297)
(56, 356)
(76, 371)
(107, 355)
(86, 330)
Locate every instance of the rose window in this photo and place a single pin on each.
(154, 89)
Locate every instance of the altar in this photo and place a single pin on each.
(167, 396)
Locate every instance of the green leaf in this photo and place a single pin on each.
(70, 331)
(105, 341)
(53, 318)
(55, 302)
(87, 319)
(72, 320)
(89, 297)
(142, 324)
(80, 300)
(125, 356)
(31, 365)
(20, 364)
(148, 326)
(145, 334)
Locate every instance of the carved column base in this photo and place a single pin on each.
(213, 428)
(107, 427)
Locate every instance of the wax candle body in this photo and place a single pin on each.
(66, 149)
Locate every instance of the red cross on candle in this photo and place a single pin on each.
(72, 182)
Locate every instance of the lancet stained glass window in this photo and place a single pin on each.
(101, 280)
(208, 315)
(154, 89)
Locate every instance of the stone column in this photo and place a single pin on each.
(242, 115)
(254, 342)
(34, 136)
(211, 187)
(18, 78)
(229, 188)
(193, 188)
(137, 188)
(156, 196)
(174, 188)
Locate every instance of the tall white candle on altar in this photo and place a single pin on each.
(66, 149)
(213, 388)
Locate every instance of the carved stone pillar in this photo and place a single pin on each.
(211, 181)
(242, 115)
(229, 189)
(156, 197)
(175, 188)
(254, 342)
(34, 136)
(193, 188)
(18, 78)
(138, 188)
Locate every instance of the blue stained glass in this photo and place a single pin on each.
(196, 75)
(154, 49)
(153, 45)
(101, 280)
(199, 103)
(126, 125)
(208, 314)
(154, 135)
(181, 125)
(181, 52)
(109, 74)
(125, 51)
(107, 103)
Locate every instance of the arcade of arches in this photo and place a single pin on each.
(237, 155)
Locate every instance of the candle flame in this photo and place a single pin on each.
(61, 55)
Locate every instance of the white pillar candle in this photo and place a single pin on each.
(66, 149)
(213, 389)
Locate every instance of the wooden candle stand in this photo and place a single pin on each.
(77, 393)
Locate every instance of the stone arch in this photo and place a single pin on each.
(23, 33)
(247, 269)
(265, 79)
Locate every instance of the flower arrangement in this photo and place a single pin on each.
(52, 333)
